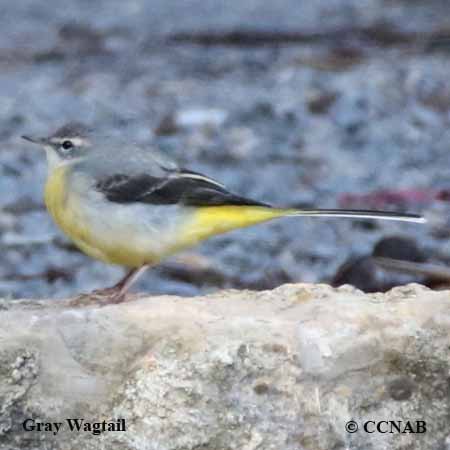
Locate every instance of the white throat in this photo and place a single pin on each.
(53, 159)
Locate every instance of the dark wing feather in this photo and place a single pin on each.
(186, 188)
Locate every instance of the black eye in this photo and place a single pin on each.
(66, 145)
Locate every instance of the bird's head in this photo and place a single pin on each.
(68, 143)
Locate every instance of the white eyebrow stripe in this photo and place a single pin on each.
(77, 141)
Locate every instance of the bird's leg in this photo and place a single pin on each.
(118, 286)
(126, 282)
(113, 294)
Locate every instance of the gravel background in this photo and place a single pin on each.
(301, 123)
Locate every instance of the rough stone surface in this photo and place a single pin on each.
(282, 369)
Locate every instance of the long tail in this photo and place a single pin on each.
(356, 213)
(211, 220)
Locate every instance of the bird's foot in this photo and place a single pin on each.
(112, 295)
(108, 296)
(100, 297)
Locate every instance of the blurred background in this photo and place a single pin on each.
(326, 103)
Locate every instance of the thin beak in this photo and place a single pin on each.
(35, 140)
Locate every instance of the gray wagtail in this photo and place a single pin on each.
(124, 205)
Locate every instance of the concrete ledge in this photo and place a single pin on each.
(283, 369)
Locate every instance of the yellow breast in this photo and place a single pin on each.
(103, 239)
(65, 210)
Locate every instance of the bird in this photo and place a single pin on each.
(129, 205)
